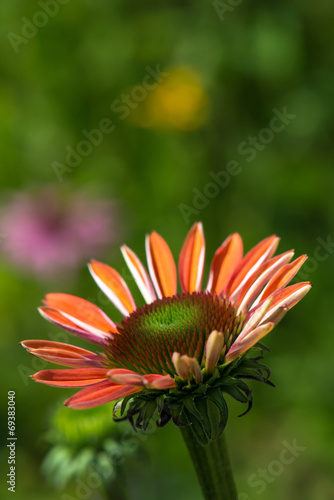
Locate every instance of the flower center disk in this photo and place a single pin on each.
(149, 336)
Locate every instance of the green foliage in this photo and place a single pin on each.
(263, 55)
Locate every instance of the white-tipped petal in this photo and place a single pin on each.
(139, 274)
(256, 317)
(113, 286)
(240, 346)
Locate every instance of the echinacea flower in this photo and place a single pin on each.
(179, 353)
(42, 227)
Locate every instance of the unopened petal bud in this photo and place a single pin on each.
(181, 366)
(213, 350)
(195, 370)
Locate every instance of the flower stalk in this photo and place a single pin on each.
(212, 465)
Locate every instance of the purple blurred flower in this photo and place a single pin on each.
(47, 233)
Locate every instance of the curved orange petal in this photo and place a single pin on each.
(130, 378)
(139, 273)
(62, 354)
(57, 318)
(77, 377)
(224, 262)
(161, 265)
(283, 276)
(113, 285)
(191, 260)
(285, 299)
(99, 394)
(81, 312)
(260, 278)
(255, 317)
(250, 263)
(242, 345)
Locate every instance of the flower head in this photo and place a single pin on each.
(178, 354)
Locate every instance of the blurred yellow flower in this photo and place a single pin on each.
(179, 102)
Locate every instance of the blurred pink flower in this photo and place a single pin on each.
(48, 233)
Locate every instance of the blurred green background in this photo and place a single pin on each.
(223, 69)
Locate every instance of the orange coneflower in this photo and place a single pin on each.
(182, 350)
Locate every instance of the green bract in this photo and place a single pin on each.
(202, 407)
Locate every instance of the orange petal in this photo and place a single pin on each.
(191, 261)
(283, 276)
(99, 394)
(62, 354)
(139, 273)
(241, 346)
(224, 262)
(130, 378)
(255, 317)
(250, 263)
(260, 278)
(286, 299)
(80, 377)
(57, 318)
(161, 265)
(80, 312)
(113, 285)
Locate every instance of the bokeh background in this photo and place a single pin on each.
(222, 70)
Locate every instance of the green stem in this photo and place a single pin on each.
(213, 467)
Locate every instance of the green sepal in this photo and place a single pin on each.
(201, 429)
(217, 397)
(201, 407)
(235, 392)
(146, 414)
(217, 413)
(190, 405)
(209, 419)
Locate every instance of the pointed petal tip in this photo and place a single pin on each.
(199, 225)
